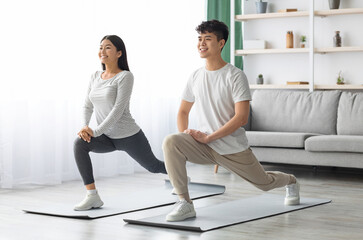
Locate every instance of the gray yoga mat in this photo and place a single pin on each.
(128, 202)
(231, 213)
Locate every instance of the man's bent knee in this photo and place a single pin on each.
(171, 141)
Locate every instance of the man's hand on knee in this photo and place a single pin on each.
(198, 135)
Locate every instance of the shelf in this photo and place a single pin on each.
(341, 87)
(322, 13)
(275, 86)
(339, 12)
(271, 51)
(298, 50)
(316, 87)
(338, 49)
(246, 17)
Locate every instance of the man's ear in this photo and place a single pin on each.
(222, 42)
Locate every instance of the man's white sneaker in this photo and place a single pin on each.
(90, 201)
(173, 191)
(293, 194)
(182, 210)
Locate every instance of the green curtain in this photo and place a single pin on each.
(220, 10)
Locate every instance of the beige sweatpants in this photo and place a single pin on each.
(181, 147)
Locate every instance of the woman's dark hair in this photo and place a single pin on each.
(220, 29)
(120, 46)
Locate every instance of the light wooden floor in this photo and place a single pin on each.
(341, 219)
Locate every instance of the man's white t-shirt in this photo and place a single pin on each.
(214, 94)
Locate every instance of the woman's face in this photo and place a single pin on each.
(108, 52)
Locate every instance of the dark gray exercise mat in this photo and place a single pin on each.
(129, 202)
(230, 213)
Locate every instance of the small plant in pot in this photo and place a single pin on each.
(340, 79)
(259, 79)
(303, 41)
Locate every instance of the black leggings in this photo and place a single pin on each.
(137, 146)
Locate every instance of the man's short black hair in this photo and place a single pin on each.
(220, 29)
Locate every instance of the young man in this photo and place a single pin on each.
(221, 95)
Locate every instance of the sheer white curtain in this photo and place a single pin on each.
(49, 50)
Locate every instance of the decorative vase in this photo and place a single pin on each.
(337, 39)
(259, 80)
(261, 7)
(334, 4)
(289, 39)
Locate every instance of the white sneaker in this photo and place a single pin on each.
(173, 191)
(293, 194)
(90, 201)
(182, 210)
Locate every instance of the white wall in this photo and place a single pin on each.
(49, 49)
(279, 68)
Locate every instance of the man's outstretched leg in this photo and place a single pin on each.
(245, 165)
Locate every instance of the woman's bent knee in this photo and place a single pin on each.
(78, 144)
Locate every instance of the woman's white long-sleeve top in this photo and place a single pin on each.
(109, 99)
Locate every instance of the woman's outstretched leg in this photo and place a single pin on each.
(138, 147)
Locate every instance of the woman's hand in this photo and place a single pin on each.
(198, 135)
(85, 136)
(86, 133)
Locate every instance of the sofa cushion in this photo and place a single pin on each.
(335, 143)
(277, 139)
(294, 111)
(350, 114)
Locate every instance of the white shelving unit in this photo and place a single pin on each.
(311, 51)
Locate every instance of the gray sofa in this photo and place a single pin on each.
(321, 128)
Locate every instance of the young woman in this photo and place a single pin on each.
(108, 97)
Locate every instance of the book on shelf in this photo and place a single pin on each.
(287, 10)
(297, 83)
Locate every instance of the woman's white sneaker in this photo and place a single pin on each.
(182, 210)
(90, 201)
(292, 194)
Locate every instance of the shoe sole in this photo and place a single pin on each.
(189, 215)
(98, 205)
(290, 202)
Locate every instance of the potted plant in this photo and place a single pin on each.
(259, 79)
(302, 41)
(334, 4)
(340, 79)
